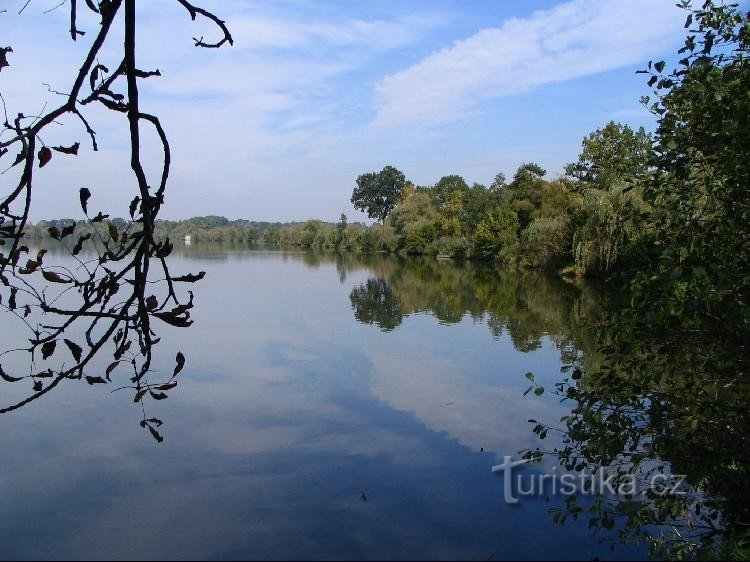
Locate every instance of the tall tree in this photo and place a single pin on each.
(378, 192)
(525, 192)
(610, 156)
(499, 182)
(445, 187)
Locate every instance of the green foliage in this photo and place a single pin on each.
(443, 190)
(525, 192)
(413, 223)
(527, 179)
(341, 230)
(449, 218)
(614, 155)
(477, 202)
(612, 225)
(414, 207)
(418, 237)
(453, 246)
(496, 235)
(701, 188)
(377, 193)
(498, 183)
(546, 242)
(672, 395)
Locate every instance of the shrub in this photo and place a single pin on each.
(546, 242)
(496, 235)
(454, 246)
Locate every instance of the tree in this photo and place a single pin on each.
(499, 182)
(445, 187)
(527, 179)
(612, 226)
(341, 229)
(129, 286)
(413, 221)
(449, 219)
(612, 155)
(701, 185)
(524, 193)
(496, 237)
(673, 394)
(378, 193)
(477, 201)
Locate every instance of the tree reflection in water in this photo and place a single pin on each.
(640, 403)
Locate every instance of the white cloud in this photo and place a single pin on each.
(280, 94)
(379, 35)
(575, 39)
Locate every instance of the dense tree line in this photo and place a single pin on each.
(592, 219)
(202, 229)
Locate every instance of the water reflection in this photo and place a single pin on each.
(289, 408)
(374, 303)
(527, 306)
(645, 407)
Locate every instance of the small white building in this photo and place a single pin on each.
(188, 239)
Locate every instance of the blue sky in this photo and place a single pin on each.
(314, 93)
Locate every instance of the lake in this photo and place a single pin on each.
(330, 407)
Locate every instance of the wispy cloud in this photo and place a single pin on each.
(282, 93)
(575, 39)
(378, 35)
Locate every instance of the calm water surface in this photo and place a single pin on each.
(330, 408)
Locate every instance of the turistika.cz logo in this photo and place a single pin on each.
(584, 483)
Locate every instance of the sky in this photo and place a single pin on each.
(312, 94)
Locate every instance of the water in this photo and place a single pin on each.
(330, 408)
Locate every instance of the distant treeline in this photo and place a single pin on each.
(200, 229)
(589, 220)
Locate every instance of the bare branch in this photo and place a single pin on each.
(194, 11)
